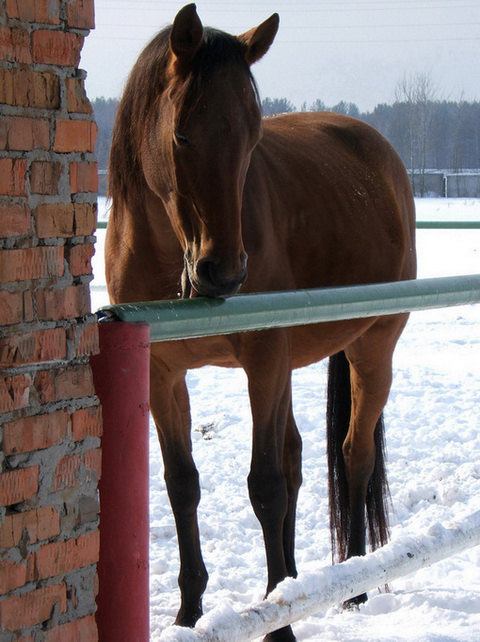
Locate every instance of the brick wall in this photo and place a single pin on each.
(50, 420)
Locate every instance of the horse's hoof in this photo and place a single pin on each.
(354, 603)
(282, 635)
(187, 618)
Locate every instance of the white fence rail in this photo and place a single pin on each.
(293, 599)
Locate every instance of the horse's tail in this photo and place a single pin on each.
(338, 418)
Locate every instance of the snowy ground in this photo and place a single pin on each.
(433, 437)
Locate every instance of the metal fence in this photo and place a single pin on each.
(420, 225)
(446, 184)
(200, 317)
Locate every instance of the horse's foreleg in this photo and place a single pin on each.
(171, 411)
(292, 468)
(266, 360)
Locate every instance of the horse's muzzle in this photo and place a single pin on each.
(210, 279)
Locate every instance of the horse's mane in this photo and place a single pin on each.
(146, 80)
(126, 183)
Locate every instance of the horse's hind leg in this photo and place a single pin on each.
(370, 361)
(292, 468)
(170, 408)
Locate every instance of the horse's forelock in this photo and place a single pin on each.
(218, 50)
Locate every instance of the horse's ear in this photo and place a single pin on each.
(257, 41)
(186, 34)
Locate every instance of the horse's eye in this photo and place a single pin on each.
(181, 141)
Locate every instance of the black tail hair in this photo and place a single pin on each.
(338, 418)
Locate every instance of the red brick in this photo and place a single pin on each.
(87, 422)
(79, 259)
(15, 574)
(15, 45)
(83, 177)
(35, 433)
(27, 88)
(81, 14)
(84, 339)
(55, 220)
(18, 485)
(11, 307)
(85, 218)
(73, 301)
(65, 220)
(56, 47)
(13, 177)
(77, 101)
(83, 630)
(92, 460)
(74, 382)
(15, 392)
(15, 307)
(14, 220)
(23, 134)
(27, 306)
(33, 347)
(45, 386)
(43, 11)
(75, 136)
(45, 177)
(40, 524)
(66, 472)
(59, 558)
(31, 608)
(31, 263)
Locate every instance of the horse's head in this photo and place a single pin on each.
(198, 144)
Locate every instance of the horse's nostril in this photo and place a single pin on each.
(211, 280)
(207, 272)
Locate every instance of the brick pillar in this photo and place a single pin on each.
(50, 419)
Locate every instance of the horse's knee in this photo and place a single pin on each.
(184, 492)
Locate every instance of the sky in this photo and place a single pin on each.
(352, 50)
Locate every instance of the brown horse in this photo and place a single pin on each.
(199, 183)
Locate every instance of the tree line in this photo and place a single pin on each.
(427, 133)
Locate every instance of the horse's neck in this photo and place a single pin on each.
(144, 252)
(149, 230)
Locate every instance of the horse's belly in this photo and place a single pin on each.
(313, 343)
(196, 353)
(310, 344)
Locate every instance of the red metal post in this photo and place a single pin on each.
(121, 377)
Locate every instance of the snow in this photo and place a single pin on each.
(312, 593)
(433, 441)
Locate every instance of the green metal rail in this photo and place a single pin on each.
(426, 225)
(201, 317)
(448, 225)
